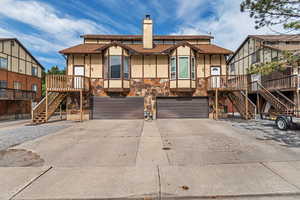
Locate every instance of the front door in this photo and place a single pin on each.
(215, 72)
(78, 81)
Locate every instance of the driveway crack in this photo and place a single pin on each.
(138, 145)
(159, 183)
(276, 173)
(29, 183)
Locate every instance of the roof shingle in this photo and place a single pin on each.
(295, 37)
(138, 48)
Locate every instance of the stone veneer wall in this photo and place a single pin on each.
(147, 88)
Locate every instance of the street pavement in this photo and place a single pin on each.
(163, 159)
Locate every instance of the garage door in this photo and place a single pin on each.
(182, 107)
(118, 107)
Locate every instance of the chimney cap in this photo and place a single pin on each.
(147, 17)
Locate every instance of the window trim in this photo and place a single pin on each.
(34, 84)
(15, 82)
(5, 81)
(193, 68)
(36, 71)
(188, 67)
(128, 67)
(1, 58)
(175, 70)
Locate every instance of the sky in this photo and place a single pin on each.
(47, 26)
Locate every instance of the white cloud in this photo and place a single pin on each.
(45, 18)
(188, 10)
(228, 25)
(35, 42)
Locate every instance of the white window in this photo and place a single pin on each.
(126, 67)
(173, 68)
(34, 87)
(34, 71)
(17, 85)
(232, 68)
(256, 57)
(115, 67)
(184, 67)
(3, 84)
(3, 63)
(193, 68)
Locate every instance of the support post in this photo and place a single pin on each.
(257, 103)
(46, 114)
(298, 103)
(81, 105)
(247, 103)
(217, 105)
(60, 112)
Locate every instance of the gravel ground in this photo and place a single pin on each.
(266, 130)
(16, 135)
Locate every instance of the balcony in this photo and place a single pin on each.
(14, 94)
(286, 83)
(227, 83)
(67, 83)
(116, 85)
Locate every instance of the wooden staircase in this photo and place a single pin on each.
(284, 99)
(238, 99)
(39, 111)
(280, 103)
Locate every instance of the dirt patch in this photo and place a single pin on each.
(20, 158)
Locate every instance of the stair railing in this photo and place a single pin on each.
(267, 92)
(251, 103)
(41, 106)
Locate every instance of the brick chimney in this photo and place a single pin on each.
(147, 33)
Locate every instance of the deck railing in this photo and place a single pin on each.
(282, 83)
(227, 82)
(15, 94)
(67, 83)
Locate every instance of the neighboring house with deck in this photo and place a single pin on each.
(133, 76)
(20, 80)
(283, 85)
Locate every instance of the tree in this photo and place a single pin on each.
(56, 70)
(288, 59)
(273, 12)
(52, 70)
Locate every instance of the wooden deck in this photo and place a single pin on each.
(67, 83)
(227, 83)
(286, 83)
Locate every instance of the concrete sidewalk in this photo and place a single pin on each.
(279, 180)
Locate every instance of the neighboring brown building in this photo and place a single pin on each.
(258, 49)
(20, 80)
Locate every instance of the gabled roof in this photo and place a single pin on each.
(268, 38)
(184, 43)
(15, 39)
(83, 48)
(140, 37)
(282, 38)
(138, 48)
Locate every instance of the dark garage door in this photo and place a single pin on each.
(118, 108)
(182, 107)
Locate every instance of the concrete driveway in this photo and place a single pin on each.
(163, 159)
